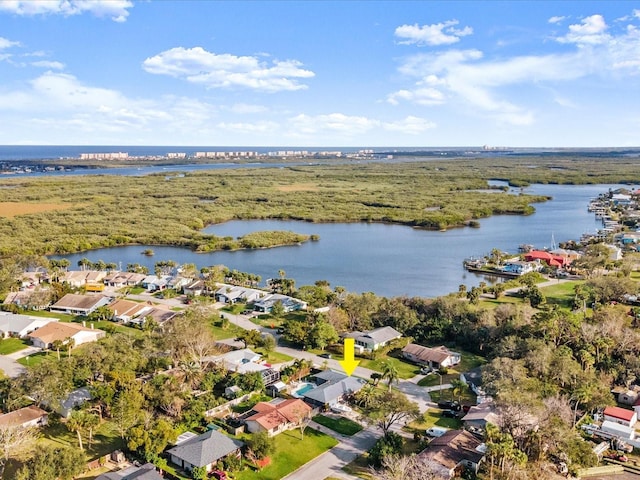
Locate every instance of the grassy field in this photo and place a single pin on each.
(466, 396)
(291, 453)
(12, 345)
(405, 369)
(13, 209)
(63, 317)
(561, 294)
(433, 418)
(340, 424)
(105, 439)
(273, 357)
(36, 358)
(219, 333)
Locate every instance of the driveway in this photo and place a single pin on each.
(330, 463)
(10, 367)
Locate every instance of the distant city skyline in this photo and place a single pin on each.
(320, 73)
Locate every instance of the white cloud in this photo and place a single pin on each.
(117, 10)
(556, 19)
(48, 64)
(420, 96)
(197, 65)
(591, 31)
(443, 33)
(410, 125)
(5, 43)
(485, 87)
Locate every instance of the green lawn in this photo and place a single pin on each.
(433, 418)
(105, 439)
(273, 357)
(468, 361)
(291, 453)
(12, 345)
(63, 317)
(405, 369)
(341, 425)
(112, 327)
(36, 358)
(219, 333)
(466, 396)
(560, 294)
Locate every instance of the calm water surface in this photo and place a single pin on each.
(389, 260)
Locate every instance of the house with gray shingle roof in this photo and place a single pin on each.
(204, 450)
(332, 387)
(144, 472)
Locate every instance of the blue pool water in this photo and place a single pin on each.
(303, 389)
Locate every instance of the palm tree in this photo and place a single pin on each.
(91, 421)
(457, 388)
(390, 373)
(76, 423)
(57, 345)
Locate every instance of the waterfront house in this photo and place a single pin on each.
(195, 288)
(277, 416)
(622, 416)
(31, 416)
(437, 357)
(453, 453)
(290, 304)
(123, 279)
(518, 267)
(75, 304)
(236, 294)
(19, 326)
(45, 337)
(79, 278)
(374, 339)
(548, 258)
(204, 450)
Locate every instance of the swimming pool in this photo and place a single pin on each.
(302, 389)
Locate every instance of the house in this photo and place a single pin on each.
(145, 472)
(290, 304)
(78, 278)
(454, 452)
(479, 415)
(12, 325)
(153, 283)
(518, 267)
(158, 313)
(437, 357)
(473, 379)
(276, 388)
(75, 304)
(74, 399)
(236, 294)
(332, 388)
(622, 416)
(618, 430)
(45, 337)
(374, 339)
(195, 288)
(31, 416)
(277, 416)
(246, 361)
(123, 279)
(204, 450)
(549, 258)
(126, 310)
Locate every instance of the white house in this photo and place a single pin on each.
(374, 339)
(436, 357)
(12, 325)
(31, 416)
(622, 416)
(45, 337)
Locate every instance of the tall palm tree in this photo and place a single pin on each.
(76, 423)
(390, 373)
(457, 388)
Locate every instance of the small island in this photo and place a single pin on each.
(148, 252)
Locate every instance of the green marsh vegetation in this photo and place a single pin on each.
(158, 210)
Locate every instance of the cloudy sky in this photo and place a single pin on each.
(307, 73)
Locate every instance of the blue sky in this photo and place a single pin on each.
(341, 73)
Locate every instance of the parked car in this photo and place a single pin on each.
(449, 405)
(247, 312)
(325, 355)
(449, 414)
(426, 370)
(436, 431)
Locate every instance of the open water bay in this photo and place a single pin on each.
(389, 260)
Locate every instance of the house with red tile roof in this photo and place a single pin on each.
(277, 416)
